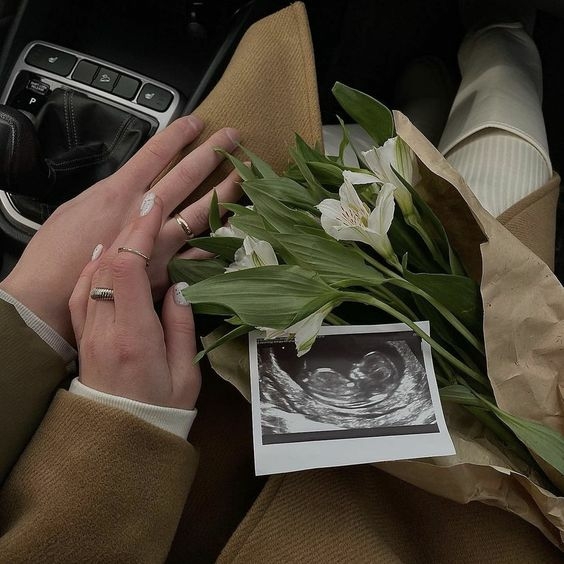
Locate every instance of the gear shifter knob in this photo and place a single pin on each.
(22, 168)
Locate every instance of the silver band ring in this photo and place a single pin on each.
(135, 252)
(102, 294)
(185, 227)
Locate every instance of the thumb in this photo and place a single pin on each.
(180, 341)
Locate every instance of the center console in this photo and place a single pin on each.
(78, 119)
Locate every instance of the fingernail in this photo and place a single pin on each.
(179, 298)
(147, 204)
(233, 135)
(97, 251)
(196, 121)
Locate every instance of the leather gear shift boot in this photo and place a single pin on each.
(81, 140)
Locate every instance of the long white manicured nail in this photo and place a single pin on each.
(147, 204)
(97, 251)
(179, 298)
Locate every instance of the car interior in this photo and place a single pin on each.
(120, 72)
(84, 84)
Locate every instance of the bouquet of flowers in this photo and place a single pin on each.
(341, 241)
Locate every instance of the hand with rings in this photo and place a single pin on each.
(124, 348)
(58, 252)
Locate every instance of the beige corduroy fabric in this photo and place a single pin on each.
(95, 484)
(533, 220)
(268, 92)
(362, 515)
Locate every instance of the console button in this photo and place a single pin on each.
(105, 79)
(38, 86)
(53, 60)
(85, 72)
(126, 87)
(153, 97)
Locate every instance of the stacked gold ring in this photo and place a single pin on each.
(135, 252)
(185, 227)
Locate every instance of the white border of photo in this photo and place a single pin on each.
(293, 456)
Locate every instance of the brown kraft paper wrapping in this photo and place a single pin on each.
(524, 331)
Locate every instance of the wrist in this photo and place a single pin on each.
(174, 420)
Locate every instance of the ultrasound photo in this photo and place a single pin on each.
(356, 383)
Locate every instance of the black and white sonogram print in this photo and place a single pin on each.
(347, 386)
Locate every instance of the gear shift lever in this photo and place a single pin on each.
(22, 167)
(75, 142)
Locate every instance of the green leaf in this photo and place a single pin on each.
(404, 243)
(336, 263)
(192, 271)
(327, 174)
(222, 246)
(233, 334)
(286, 190)
(282, 218)
(374, 117)
(215, 216)
(348, 141)
(238, 209)
(244, 171)
(309, 153)
(317, 191)
(457, 393)
(545, 442)
(261, 166)
(433, 226)
(458, 294)
(267, 296)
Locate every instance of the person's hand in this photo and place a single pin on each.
(124, 350)
(48, 270)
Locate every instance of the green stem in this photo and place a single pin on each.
(449, 316)
(370, 300)
(383, 292)
(451, 378)
(446, 313)
(413, 221)
(377, 265)
(335, 319)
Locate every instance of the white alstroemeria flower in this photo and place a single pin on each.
(253, 253)
(229, 230)
(304, 331)
(351, 220)
(395, 154)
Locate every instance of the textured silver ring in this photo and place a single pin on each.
(135, 252)
(102, 294)
(185, 227)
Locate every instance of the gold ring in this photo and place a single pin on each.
(102, 294)
(135, 252)
(185, 227)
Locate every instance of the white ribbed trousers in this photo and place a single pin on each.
(495, 134)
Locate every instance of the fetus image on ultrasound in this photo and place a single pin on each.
(347, 386)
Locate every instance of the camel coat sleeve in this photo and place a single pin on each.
(95, 484)
(30, 373)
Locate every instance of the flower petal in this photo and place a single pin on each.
(350, 198)
(381, 217)
(253, 253)
(359, 177)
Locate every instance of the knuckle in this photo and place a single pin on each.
(199, 219)
(187, 174)
(122, 265)
(183, 328)
(156, 148)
